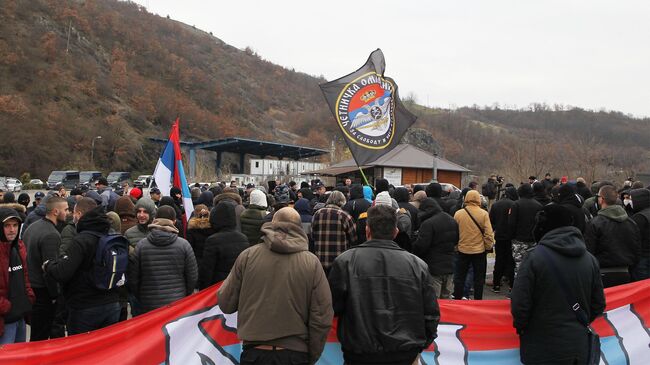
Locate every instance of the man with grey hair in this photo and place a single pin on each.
(333, 230)
(613, 238)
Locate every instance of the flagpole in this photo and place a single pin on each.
(364, 176)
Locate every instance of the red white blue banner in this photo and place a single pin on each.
(195, 331)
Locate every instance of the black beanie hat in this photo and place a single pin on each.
(552, 216)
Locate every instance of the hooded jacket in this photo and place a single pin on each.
(5, 259)
(198, 231)
(296, 310)
(437, 238)
(163, 268)
(367, 193)
(221, 248)
(499, 214)
(641, 209)
(74, 269)
(235, 200)
(521, 219)
(470, 238)
(569, 200)
(401, 195)
(136, 233)
(206, 198)
(539, 307)
(613, 238)
(126, 210)
(385, 301)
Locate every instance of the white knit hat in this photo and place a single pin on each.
(384, 198)
(258, 198)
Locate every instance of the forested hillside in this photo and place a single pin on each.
(73, 70)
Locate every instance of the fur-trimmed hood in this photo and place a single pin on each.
(15, 206)
(199, 223)
(227, 196)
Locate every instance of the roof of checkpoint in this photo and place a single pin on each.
(403, 155)
(253, 147)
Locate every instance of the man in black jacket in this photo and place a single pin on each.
(89, 308)
(504, 264)
(384, 297)
(613, 238)
(521, 221)
(569, 198)
(641, 209)
(435, 244)
(42, 240)
(539, 304)
(402, 197)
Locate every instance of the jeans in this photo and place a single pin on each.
(14, 332)
(504, 264)
(253, 356)
(479, 263)
(93, 318)
(42, 315)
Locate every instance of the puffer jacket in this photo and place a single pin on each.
(163, 268)
(379, 326)
(198, 231)
(470, 238)
(251, 221)
(221, 248)
(437, 238)
(538, 304)
(613, 238)
(296, 312)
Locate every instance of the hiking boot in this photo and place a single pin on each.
(496, 289)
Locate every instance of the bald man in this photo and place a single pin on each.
(282, 296)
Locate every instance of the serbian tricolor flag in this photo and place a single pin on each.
(169, 171)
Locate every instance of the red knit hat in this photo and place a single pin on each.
(135, 193)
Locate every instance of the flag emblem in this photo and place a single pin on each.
(365, 111)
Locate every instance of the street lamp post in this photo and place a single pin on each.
(92, 150)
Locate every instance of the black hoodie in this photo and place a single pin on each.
(222, 248)
(74, 269)
(570, 200)
(641, 209)
(401, 196)
(521, 219)
(437, 238)
(539, 306)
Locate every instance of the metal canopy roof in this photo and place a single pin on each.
(253, 147)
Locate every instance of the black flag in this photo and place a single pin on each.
(368, 110)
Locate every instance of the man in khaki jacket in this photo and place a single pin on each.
(473, 226)
(282, 296)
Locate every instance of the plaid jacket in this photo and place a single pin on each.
(333, 232)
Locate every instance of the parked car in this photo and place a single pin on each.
(88, 178)
(37, 183)
(143, 181)
(116, 178)
(69, 179)
(14, 184)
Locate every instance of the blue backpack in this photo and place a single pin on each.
(110, 262)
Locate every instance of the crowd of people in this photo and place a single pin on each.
(294, 256)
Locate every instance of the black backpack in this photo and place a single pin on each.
(110, 261)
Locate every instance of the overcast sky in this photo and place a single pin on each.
(592, 54)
